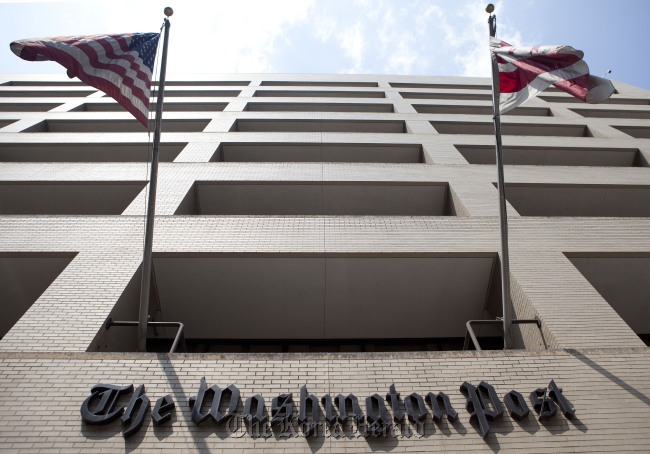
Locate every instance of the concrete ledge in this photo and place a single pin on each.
(322, 356)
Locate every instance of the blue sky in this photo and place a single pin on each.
(411, 37)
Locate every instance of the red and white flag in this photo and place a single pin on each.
(525, 71)
(119, 65)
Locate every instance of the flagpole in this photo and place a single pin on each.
(151, 206)
(503, 215)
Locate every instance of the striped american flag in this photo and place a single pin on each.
(526, 71)
(120, 65)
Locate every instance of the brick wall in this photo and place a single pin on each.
(45, 373)
(41, 395)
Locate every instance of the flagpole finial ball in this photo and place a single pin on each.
(489, 8)
(168, 11)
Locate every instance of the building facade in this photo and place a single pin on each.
(323, 235)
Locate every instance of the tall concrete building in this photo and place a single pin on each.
(323, 235)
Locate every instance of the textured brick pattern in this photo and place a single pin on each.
(108, 247)
(45, 374)
(40, 397)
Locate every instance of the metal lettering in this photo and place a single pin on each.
(219, 397)
(306, 400)
(415, 408)
(196, 402)
(342, 404)
(282, 409)
(105, 411)
(140, 400)
(260, 416)
(440, 404)
(164, 404)
(475, 404)
(565, 406)
(544, 407)
(393, 398)
(516, 405)
(330, 415)
(378, 419)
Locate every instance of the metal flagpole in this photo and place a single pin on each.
(503, 215)
(151, 206)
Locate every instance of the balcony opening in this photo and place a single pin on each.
(624, 282)
(457, 96)
(556, 156)
(613, 100)
(511, 129)
(67, 198)
(130, 125)
(638, 132)
(27, 93)
(179, 92)
(296, 83)
(170, 106)
(42, 83)
(579, 200)
(23, 278)
(480, 110)
(361, 126)
(204, 83)
(306, 198)
(27, 107)
(318, 94)
(439, 86)
(273, 303)
(603, 113)
(317, 107)
(86, 152)
(4, 123)
(311, 152)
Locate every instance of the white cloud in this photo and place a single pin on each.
(237, 36)
(326, 28)
(353, 43)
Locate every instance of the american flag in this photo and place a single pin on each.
(526, 71)
(119, 65)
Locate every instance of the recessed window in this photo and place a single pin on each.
(86, 152)
(23, 278)
(624, 282)
(480, 110)
(27, 93)
(272, 125)
(604, 113)
(316, 107)
(305, 299)
(438, 86)
(318, 152)
(179, 92)
(579, 200)
(170, 125)
(512, 129)
(4, 123)
(457, 96)
(170, 106)
(639, 132)
(613, 100)
(67, 198)
(292, 83)
(318, 94)
(41, 83)
(27, 107)
(553, 156)
(316, 198)
(204, 83)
